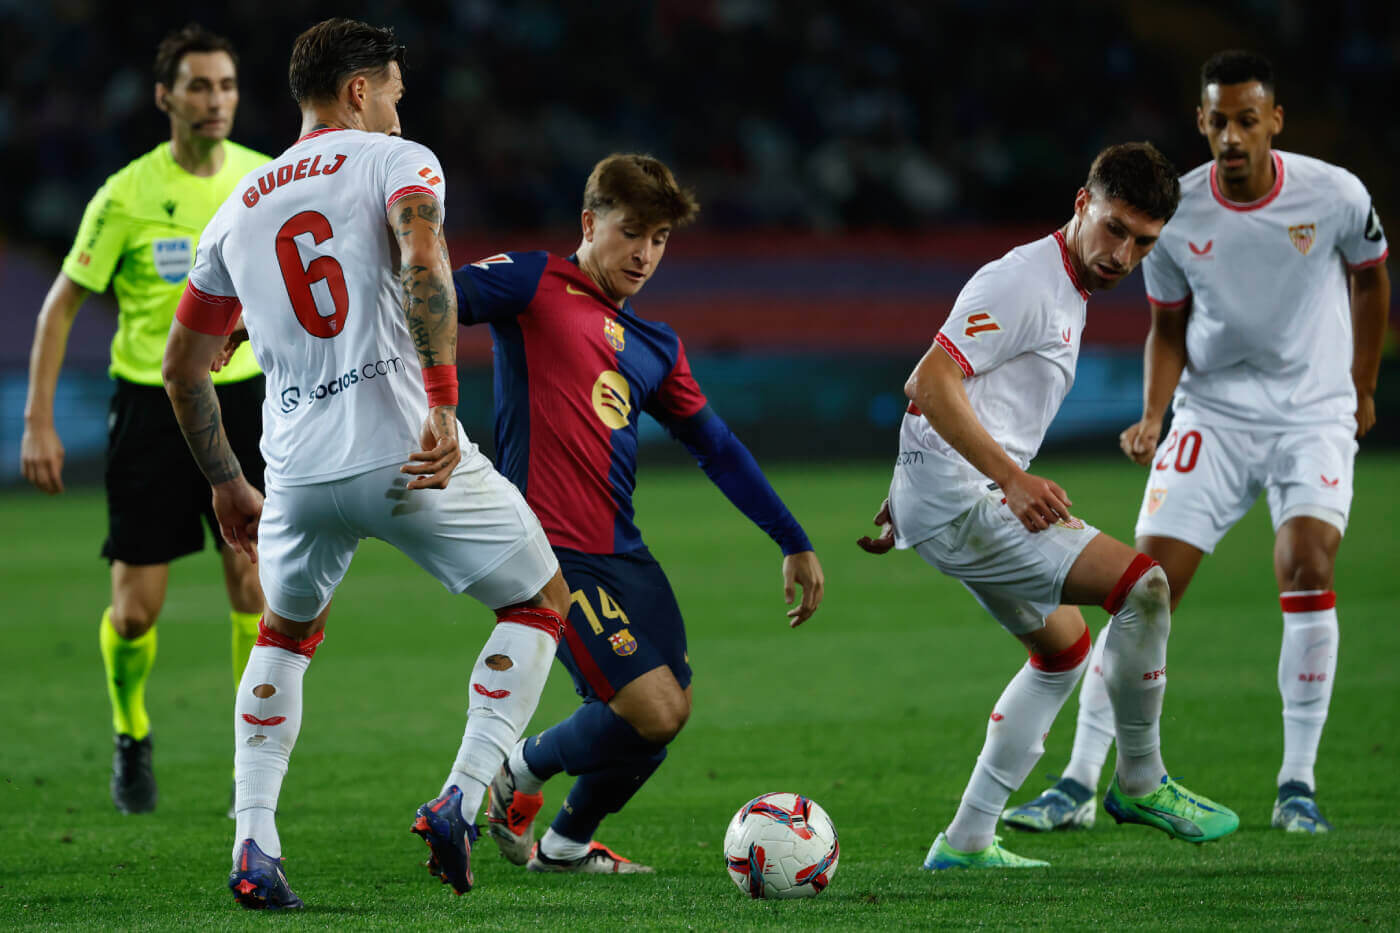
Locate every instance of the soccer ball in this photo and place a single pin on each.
(781, 846)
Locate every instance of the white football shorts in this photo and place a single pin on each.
(477, 536)
(1206, 477)
(1014, 574)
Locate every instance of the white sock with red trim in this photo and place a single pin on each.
(505, 689)
(1307, 665)
(1094, 731)
(266, 721)
(1015, 741)
(1135, 672)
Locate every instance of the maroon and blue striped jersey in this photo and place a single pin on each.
(573, 373)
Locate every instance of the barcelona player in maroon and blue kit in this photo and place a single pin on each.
(575, 367)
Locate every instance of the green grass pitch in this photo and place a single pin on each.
(875, 708)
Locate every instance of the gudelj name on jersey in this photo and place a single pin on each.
(293, 396)
(286, 174)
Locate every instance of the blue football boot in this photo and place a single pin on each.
(449, 837)
(257, 880)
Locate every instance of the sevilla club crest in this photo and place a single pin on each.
(1155, 498)
(1303, 236)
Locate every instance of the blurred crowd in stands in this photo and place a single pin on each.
(827, 116)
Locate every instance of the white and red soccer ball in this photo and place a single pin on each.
(781, 846)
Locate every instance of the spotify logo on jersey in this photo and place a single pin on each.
(612, 399)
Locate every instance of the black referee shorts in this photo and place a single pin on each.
(156, 495)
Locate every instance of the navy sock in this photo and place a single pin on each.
(598, 793)
(593, 738)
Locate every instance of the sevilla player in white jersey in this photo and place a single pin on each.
(334, 254)
(981, 401)
(1269, 295)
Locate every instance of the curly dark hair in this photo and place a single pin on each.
(176, 45)
(334, 50)
(1138, 175)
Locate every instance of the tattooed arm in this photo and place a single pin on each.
(430, 310)
(237, 505)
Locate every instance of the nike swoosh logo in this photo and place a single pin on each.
(1181, 823)
(574, 291)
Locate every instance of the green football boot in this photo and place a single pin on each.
(941, 856)
(1174, 810)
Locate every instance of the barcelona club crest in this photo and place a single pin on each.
(1155, 498)
(617, 337)
(1303, 236)
(622, 642)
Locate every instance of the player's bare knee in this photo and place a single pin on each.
(1310, 571)
(554, 595)
(244, 591)
(662, 726)
(662, 720)
(133, 619)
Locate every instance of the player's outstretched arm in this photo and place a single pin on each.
(430, 309)
(732, 468)
(185, 371)
(40, 450)
(936, 387)
(1370, 303)
(1163, 360)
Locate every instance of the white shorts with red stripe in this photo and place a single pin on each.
(477, 536)
(1014, 574)
(1206, 477)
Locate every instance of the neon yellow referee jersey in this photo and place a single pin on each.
(139, 233)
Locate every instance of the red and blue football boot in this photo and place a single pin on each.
(449, 837)
(257, 880)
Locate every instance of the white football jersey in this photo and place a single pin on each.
(1015, 332)
(1269, 337)
(304, 244)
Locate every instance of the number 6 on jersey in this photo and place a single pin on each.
(323, 268)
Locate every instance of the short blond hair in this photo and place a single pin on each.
(641, 185)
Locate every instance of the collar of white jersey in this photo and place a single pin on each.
(321, 132)
(1069, 266)
(1252, 205)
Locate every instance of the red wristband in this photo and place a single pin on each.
(441, 383)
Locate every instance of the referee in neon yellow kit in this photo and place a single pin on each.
(139, 234)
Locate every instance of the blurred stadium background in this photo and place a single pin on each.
(856, 163)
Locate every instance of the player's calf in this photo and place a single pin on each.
(506, 682)
(1135, 670)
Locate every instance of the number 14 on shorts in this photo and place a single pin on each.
(609, 606)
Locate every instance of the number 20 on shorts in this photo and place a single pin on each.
(1187, 447)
